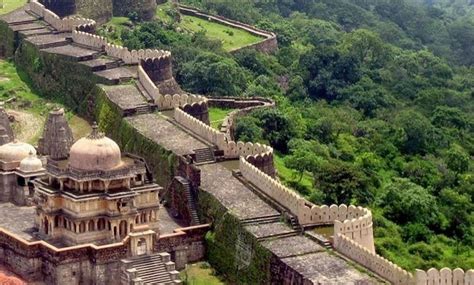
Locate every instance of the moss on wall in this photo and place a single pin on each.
(144, 9)
(59, 78)
(228, 244)
(7, 40)
(99, 10)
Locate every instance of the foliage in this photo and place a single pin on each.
(375, 107)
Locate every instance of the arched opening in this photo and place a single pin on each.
(101, 224)
(123, 228)
(46, 226)
(91, 226)
(56, 221)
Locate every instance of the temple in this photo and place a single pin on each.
(95, 195)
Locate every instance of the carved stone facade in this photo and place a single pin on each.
(97, 195)
(57, 136)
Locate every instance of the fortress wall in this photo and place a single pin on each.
(445, 276)
(352, 222)
(373, 261)
(62, 25)
(258, 155)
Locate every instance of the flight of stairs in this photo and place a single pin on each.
(191, 200)
(262, 220)
(205, 155)
(149, 269)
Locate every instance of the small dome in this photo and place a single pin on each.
(16, 151)
(95, 152)
(31, 164)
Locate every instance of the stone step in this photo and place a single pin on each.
(99, 64)
(282, 235)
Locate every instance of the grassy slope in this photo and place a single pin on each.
(29, 109)
(200, 274)
(10, 5)
(231, 38)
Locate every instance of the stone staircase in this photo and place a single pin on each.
(262, 220)
(149, 269)
(205, 155)
(191, 200)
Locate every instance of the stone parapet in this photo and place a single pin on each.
(445, 276)
(352, 222)
(372, 261)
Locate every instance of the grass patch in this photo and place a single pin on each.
(231, 38)
(10, 5)
(29, 109)
(112, 30)
(200, 274)
(217, 116)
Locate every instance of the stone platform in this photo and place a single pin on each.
(18, 220)
(166, 134)
(125, 96)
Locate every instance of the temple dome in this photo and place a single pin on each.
(31, 164)
(15, 151)
(95, 152)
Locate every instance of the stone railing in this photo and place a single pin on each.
(61, 25)
(372, 261)
(445, 276)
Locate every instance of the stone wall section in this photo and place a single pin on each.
(372, 261)
(445, 276)
(259, 155)
(353, 222)
(61, 25)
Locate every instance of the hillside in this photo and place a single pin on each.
(375, 107)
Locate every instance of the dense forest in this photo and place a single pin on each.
(375, 107)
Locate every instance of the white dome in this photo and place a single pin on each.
(31, 164)
(16, 151)
(95, 152)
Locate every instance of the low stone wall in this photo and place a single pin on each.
(445, 276)
(186, 245)
(268, 45)
(372, 261)
(352, 222)
(40, 261)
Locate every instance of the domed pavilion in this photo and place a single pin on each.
(95, 195)
(19, 166)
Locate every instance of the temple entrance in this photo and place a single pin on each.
(141, 247)
(123, 229)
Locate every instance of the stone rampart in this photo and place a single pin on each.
(259, 155)
(352, 222)
(445, 276)
(61, 25)
(269, 43)
(372, 261)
